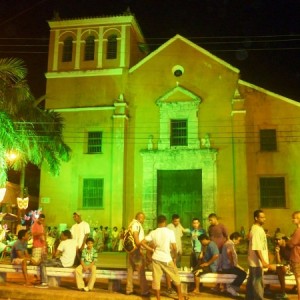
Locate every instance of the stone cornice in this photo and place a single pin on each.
(87, 73)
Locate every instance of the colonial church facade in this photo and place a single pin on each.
(171, 131)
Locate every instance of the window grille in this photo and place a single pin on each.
(178, 133)
(89, 52)
(67, 49)
(268, 140)
(112, 46)
(92, 193)
(272, 192)
(94, 142)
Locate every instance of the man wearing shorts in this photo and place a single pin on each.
(39, 240)
(163, 240)
(19, 253)
(136, 260)
(208, 263)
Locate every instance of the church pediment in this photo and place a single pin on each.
(178, 94)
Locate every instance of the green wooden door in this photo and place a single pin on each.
(180, 192)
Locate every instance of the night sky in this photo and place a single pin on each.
(259, 37)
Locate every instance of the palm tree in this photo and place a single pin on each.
(35, 134)
(8, 138)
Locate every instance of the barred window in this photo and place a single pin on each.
(178, 133)
(89, 50)
(92, 193)
(112, 47)
(268, 140)
(67, 49)
(94, 142)
(272, 192)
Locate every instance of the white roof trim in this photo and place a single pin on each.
(77, 109)
(179, 37)
(272, 94)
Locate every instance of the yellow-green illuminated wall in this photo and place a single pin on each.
(231, 111)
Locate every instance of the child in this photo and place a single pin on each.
(19, 254)
(87, 263)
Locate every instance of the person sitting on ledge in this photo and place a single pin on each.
(229, 263)
(87, 264)
(19, 253)
(209, 262)
(282, 264)
(63, 257)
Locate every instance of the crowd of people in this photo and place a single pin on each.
(213, 251)
(105, 239)
(160, 250)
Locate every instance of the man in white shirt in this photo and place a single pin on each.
(163, 241)
(64, 257)
(258, 257)
(80, 232)
(178, 230)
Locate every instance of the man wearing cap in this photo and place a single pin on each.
(39, 245)
(80, 232)
(282, 260)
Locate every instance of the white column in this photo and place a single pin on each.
(55, 50)
(119, 120)
(123, 47)
(78, 48)
(100, 48)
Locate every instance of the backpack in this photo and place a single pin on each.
(129, 244)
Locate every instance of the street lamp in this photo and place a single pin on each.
(2, 194)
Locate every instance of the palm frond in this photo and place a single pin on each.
(36, 134)
(7, 131)
(12, 69)
(3, 167)
(13, 86)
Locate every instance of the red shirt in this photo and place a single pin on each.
(218, 234)
(295, 244)
(38, 241)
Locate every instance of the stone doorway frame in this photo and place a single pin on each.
(175, 159)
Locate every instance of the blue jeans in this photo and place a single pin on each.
(255, 286)
(55, 262)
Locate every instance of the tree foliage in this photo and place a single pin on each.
(34, 134)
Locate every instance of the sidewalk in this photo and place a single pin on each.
(14, 289)
(68, 291)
